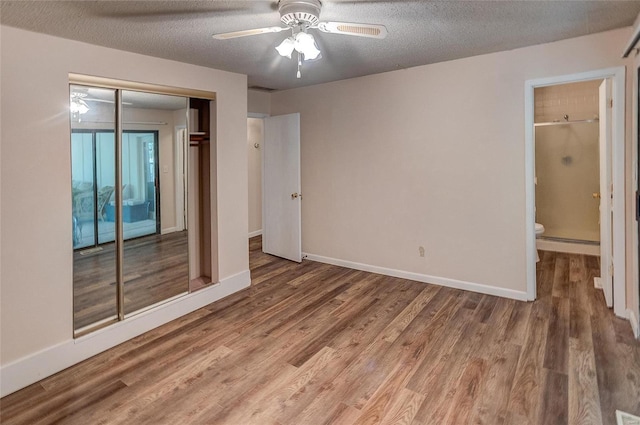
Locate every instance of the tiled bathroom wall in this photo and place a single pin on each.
(577, 100)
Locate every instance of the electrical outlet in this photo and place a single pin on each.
(421, 251)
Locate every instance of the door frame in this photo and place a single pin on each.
(617, 77)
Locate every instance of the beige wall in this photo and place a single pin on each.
(36, 245)
(255, 134)
(258, 102)
(429, 156)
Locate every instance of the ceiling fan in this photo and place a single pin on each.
(300, 16)
(78, 102)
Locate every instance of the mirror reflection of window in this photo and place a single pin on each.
(93, 168)
(156, 264)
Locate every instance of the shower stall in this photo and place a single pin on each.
(568, 180)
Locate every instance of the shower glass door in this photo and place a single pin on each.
(568, 181)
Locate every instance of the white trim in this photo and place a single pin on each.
(529, 191)
(256, 233)
(568, 247)
(168, 230)
(618, 202)
(27, 370)
(635, 324)
(635, 273)
(435, 280)
(617, 76)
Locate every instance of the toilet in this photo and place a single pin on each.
(539, 231)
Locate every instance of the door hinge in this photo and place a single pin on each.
(611, 270)
(611, 103)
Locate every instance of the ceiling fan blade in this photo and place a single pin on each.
(176, 11)
(245, 33)
(349, 28)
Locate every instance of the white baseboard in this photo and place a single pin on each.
(30, 369)
(635, 325)
(597, 283)
(168, 230)
(436, 280)
(568, 247)
(256, 233)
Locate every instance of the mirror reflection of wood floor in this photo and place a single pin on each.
(156, 268)
(317, 344)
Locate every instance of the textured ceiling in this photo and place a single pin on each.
(420, 32)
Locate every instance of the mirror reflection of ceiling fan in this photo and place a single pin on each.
(300, 16)
(79, 99)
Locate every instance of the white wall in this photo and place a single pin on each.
(36, 245)
(255, 134)
(429, 156)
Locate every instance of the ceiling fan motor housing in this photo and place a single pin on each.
(299, 12)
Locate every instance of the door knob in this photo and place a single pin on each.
(596, 195)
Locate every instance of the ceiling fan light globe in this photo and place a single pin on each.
(78, 106)
(306, 44)
(83, 108)
(310, 54)
(286, 47)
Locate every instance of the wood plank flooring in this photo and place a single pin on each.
(319, 344)
(156, 268)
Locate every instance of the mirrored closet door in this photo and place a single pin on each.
(128, 189)
(93, 173)
(156, 263)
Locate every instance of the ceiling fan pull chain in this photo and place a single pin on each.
(299, 65)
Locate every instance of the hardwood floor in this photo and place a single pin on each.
(156, 268)
(320, 344)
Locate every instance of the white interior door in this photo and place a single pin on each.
(281, 221)
(606, 221)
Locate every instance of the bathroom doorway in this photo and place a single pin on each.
(570, 149)
(567, 177)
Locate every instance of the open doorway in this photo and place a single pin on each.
(255, 144)
(613, 163)
(567, 177)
